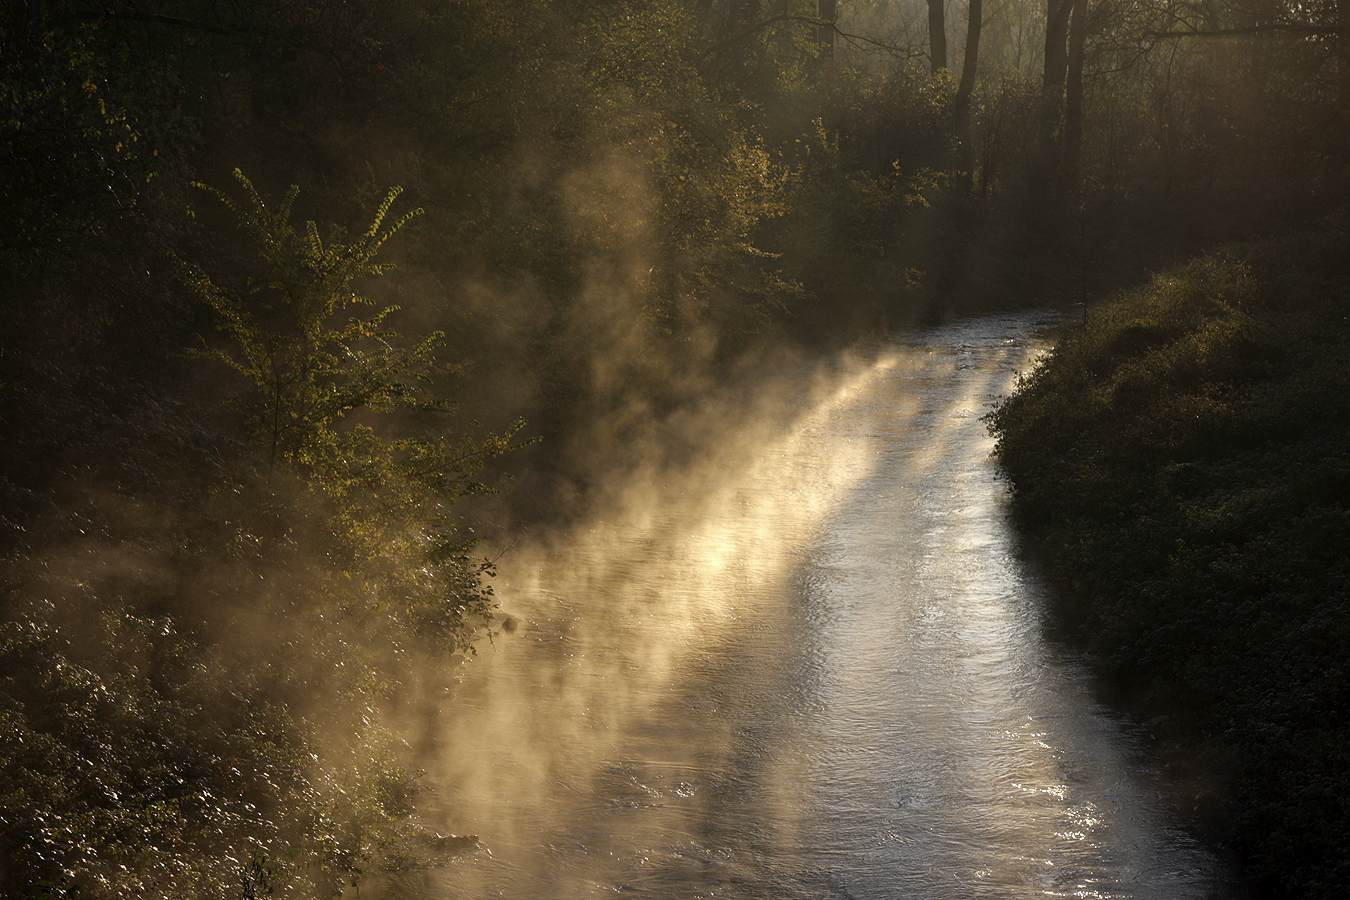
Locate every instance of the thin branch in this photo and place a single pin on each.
(1299, 28)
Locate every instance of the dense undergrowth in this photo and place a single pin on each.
(1183, 463)
(208, 611)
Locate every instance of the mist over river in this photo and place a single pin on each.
(812, 666)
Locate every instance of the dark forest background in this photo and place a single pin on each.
(242, 458)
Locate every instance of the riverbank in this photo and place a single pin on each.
(1182, 462)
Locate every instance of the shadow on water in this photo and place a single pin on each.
(813, 665)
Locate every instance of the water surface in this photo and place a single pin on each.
(811, 667)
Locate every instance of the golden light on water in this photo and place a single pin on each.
(615, 610)
(809, 663)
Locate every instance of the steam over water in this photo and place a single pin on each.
(813, 668)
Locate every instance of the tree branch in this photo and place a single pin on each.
(1298, 28)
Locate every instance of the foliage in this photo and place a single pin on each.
(306, 376)
(1182, 462)
(842, 234)
(684, 206)
(195, 641)
(81, 148)
(389, 527)
(156, 768)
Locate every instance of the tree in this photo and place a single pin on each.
(1291, 59)
(827, 11)
(1055, 72)
(1073, 90)
(937, 36)
(388, 527)
(965, 156)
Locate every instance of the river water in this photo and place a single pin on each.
(811, 665)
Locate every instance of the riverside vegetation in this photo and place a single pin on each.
(1183, 463)
(246, 461)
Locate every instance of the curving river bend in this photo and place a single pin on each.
(811, 667)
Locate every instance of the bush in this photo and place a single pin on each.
(200, 626)
(1182, 461)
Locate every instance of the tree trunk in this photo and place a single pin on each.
(1052, 87)
(1073, 96)
(937, 35)
(965, 155)
(827, 10)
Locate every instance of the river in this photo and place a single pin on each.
(812, 665)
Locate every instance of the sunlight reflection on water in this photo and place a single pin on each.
(812, 666)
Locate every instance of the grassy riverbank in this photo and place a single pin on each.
(1183, 464)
